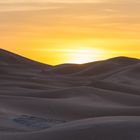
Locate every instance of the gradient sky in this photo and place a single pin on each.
(70, 31)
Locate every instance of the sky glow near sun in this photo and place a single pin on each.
(70, 31)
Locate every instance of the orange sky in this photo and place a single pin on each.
(70, 31)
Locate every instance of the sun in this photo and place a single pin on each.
(84, 55)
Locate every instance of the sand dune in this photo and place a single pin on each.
(129, 76)
(93, 101)
(9, 58)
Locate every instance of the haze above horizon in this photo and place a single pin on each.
(70, 31)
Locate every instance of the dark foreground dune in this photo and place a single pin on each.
(94, 101)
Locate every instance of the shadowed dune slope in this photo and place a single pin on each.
(9, 58)
(111, 128)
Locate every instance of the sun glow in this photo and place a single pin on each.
(81, 55)
(81, 58)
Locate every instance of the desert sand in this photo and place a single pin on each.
(93, 101)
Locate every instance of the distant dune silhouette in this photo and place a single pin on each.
(93, 101)
(94, 68)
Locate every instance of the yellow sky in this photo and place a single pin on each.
(70, 31)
